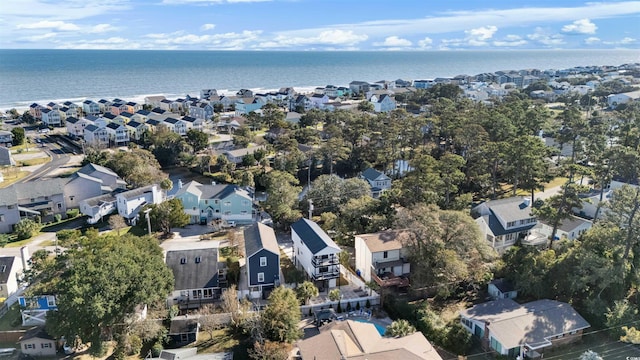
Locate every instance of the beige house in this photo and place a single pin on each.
(358, 340)
(380, 257)
(36, 342)
(10, 266)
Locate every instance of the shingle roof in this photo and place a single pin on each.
(38, 332)
(503, 285)
(194, 268)
(6, 263)
(532, 323)
(371, 174)
(91, 168)
(19, 191)
(260, 236)
(383, 241)
(312, 235)
(5, 157)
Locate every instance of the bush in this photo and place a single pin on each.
(339, 307)
(156, 349)
(26, 228)
(368, 304)
(358, 305)
(57, 217)
(73, 213)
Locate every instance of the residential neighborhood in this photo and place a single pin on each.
(487, 216)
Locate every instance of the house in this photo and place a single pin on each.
(75, 126)
(382, 103)
(197, 276)
(570, 228)
(511, 329)
(129, 203)
(110, 180)
(34, 309)
(153, 101)
(51, 117)
(618, 99)
(175, 125)
(502, 289)
(35, 110)
(207, 93)
(382, 258)
(300, 102)
(183, 330)
(246, 105)
(591, 201)
(36, 342)
(236, 156)
(22, 200)
(5, 157)
(6, 138)
(193, 123)
(354, 340)
(90, 107)
(118, 134)
(262, 259)
(10, 268)
(98, 207)
(379, 182)
(292, 117)
(136, 130)
(357, 87)
(316, 253)
(201, 110)
(66, 112)
(96, 136)
(105, 105)
(82, 186)
(505, 221)
(245, 93)
(206, 202)
(318, 100)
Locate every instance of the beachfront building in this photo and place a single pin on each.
(316, 253)
(51, 117)
(90, 107)
(202, 110)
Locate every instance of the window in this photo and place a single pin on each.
(51, 301)
(207, 293)
(194, 208)
(216, 201)
(511, 223)
(385, 254)
(183, 261)
(198, 259)
(243, 212)
(197, 294)
(45, 345)
(263, 261)
(227, 203)
(46, 198)
(29, 346)
(184, 337)
(260, 277)
(1, 217)
(59, 206)
(206, 201)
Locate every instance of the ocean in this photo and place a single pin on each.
(28, 76)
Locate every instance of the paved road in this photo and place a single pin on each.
(59, 155)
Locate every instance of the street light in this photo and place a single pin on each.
(146, 215)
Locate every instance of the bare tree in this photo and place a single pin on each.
(209, 320)
(117, 223)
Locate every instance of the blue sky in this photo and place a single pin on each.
(319, 24)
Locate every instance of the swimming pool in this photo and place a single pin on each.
(381, 329)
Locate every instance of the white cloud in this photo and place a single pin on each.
(394, 41)
(206, 27)
(545, 37)
(102, 28)
(510, 41)
(330, 37)
(425, 43)
(624, 41)
(36, 38)
(34, 10)
(482, 33)
(627, 40)
(231, 40)
(53, 25)
(582, 26)
(591, 40)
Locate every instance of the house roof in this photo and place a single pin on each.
(183, 325)
(503, 285)
(260, 236)
(530, 324)
(5, 157)
(72, 120)
(372, 174)
(194, 268)
(572, 223)
(18, 191)
(137, 192)
(38, 332)
(352, 340)
(244, 151)
(383, 241)
(6, 263)
(91, 128)
(312, 235)
(208, 191)
(92, 168)
(114, 126)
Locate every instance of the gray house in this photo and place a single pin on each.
(378, 181)
(197, 277)
(6, 138)
(5, 157)
(263, 259)
(46, 199)
(10, 266)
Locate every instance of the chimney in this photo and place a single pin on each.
(24, 255)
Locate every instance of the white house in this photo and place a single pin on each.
(75, 126)
(316, 253)
(511, 329)
(96, 136)
(118, 133)
(51, 117)
(382, 103)
(235, 156)
(380, 257)
(378, 181)
(502, 222)
(570, 228)
(10, 267)
(617, 99)
(130, 202)
(502, 289)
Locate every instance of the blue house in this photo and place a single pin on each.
(204, 203)
(263, 259)
(34, 309)
(378, 181)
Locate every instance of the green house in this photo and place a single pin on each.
(206, 202)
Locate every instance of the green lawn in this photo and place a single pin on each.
(223, 340)
(12, 319)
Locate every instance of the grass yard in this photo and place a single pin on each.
(35, 161)
(12, 319)
(20, 243)
(11, 176)
(223, 340)
(507, 189)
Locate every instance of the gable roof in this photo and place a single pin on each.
(208, 191)
(38, 332)
(312, 235)
(6, 263)
(194, 268)
(383, 241)
(92, 168)
(352, 340)
(372, 174)
(5, 157)
(19, 191)
(260, 236)
(533, 323)
(503, 285)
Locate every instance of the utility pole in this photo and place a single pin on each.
(310, 208)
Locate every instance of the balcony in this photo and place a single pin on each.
(318, 261)
(377, 265)
(332, 273)
(389, 279)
